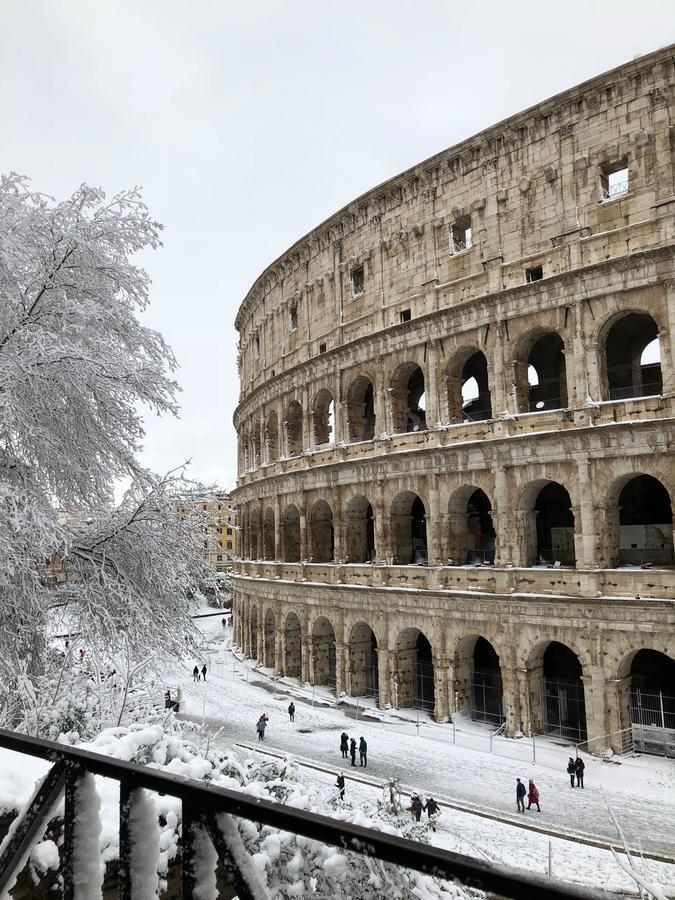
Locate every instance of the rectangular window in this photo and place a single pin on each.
(293, 318)
(219, 557)
(229, 545)
(536, 273)
(257, 346)
(460, 235)
(358, 281)
(614, 181)
(229, 532)
(322, 348)
(405, 315)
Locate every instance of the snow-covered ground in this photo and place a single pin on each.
(640, 791)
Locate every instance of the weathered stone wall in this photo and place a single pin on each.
(360, 454)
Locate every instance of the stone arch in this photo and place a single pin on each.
(363, 672)
(323, 416)
(548, 524)
(468, 387)
(471, 536)
(623, 340)
(407, 392)
(293, 429)
(646, 700)
(478, 680)
(272, 436)
(640, 521)
(292, 637)
(269, 642)
(556, 691)
(414, 674)
(540, 372)
(408, 530)
(268, 533)
(291, 533)
(324, 664)
(360, 407)
(360, 533)
(322, 534)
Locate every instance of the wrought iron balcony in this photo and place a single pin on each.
(207, 809)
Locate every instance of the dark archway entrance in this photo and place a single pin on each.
(408, 530)
(555, 526)
(323, 653)
(414, 681)
(487, 702)
(360, 531)
(363, 671)
(630, 371)
(652, 702)
(645, 523)
(564, 702)
(546, 374)
(292, 646)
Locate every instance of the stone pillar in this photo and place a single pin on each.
(522, 676)
(278, 644)
(394, 687)
(388, 404)
(278, 533)
(587, 550)
(597, 724)
(304, 546)
(379, 405)
(502, 518)
(441, 690)
(617, 692)
(307, 422)
(456, 534)
(384, 677)
(433, 417)
(340, 666)
(339, 528)
(307, 661)
(535, 696)
(434, 542)
(381, 526)
(499, 392)
(511, 698)
(667, 342)
(592, 364)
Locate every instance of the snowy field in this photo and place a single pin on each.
(640, 791)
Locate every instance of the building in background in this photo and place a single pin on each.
(219, 530)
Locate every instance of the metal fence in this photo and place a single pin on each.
(565, 709)
(487, 703)
(207, 812)
(652, 716)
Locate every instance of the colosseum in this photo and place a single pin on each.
(456, 471)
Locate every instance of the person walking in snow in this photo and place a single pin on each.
(195, 673)
(167, 700)
(340, 785)
(363, 751)
(579, 766)
(533, 795)
(261, 724)
(433, 811)
(520, 795)
(204, 671)
(352, 750)
(344, 744)
(291, 711)
(81, 656)
(571, 770)
(415, 807)
(224, 621)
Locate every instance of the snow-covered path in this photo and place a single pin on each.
(641, 792)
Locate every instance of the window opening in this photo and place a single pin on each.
(614, 181)
(293, 318)
(358, 281)
(536, 273)
(322, 348)
(460, 235)
(406, 315)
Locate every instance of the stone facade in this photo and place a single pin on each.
(456, 468)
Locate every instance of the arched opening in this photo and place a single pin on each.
(323, 653)
(645, 523)
(408, 530)
(363, 676)
(322, 535)
(478, 680)
(291, 534)
(272, 436)
(408, 399)
(468, 387)
(255, 533)
(293, 426)
(554, 526)
(292, 646)
(542, 376)
(360, 531)
(361, 410)
(268, 534)
(323, 413)
(270, 639)
(472, 536)
(564, 708)
(414, 677)
(652, 702)
(632, 357)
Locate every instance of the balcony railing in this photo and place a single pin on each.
(652, 389)
(207, 809)
(614, 191)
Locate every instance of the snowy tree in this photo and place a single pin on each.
(76, 369)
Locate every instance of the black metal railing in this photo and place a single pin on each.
(207, 810)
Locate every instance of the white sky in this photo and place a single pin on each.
(249, 123)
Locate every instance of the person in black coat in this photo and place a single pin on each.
(433, 811)
(520, 795)
(571, 770)
(340, 785)
(344, 744)
(204, 672)
(291, 711)
(195, 673)
(363, 751)
(352, 750)
(579, 766)
(416, 807)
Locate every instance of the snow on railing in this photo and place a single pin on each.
(209, 832)
(612, 191)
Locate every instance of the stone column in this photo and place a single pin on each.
(339, 528)
(304, 546)
(442, 702)
(499, 393)
(456, 534)
(502, 518)
(281, 428)
(434, 523)
(431, 388)
(667, 342)
(307, 659)
(278, 533)
(597, 724)
(512, 698)
(260, 643)
(592, 364)
(523, 679)
(340, 666)
(278, 643)
(307, 429)
(383, 677)
(586, 547)
(617, 692)
(381, 526)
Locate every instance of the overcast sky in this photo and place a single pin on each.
(249, 123)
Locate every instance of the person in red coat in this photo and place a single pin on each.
(533, 795)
